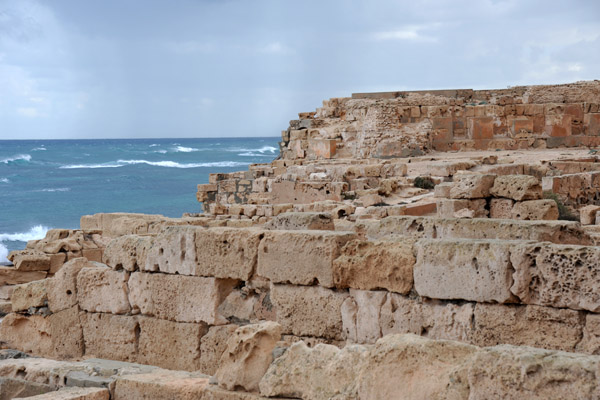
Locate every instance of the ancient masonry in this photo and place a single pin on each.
(414, 245)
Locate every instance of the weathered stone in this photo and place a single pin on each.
(300, 257)
(535, 210)
(62, 288)
(56, 262)
(12, 276)
(30, 334)
(517, 187)
(11, 388)
(66, 334)
(212, 346)
(27, 295)
(474, 270)
(101, 289)
(590, 343)
(248, 356)
(545, 327)
(561, 276)
(371, 265)
(501, 208)
(217, 252)
(27, 261)
(74, 393)
(178, 297)
(472, 186)
(161, 385)
(167, 344)
(442, 190)
(361, 315)
(110, 336)
(459, 208)
(309, 310)
(301, 221)
(587, 214)
(127, 252)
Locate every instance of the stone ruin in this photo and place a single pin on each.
(415, 245)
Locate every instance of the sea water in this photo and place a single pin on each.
(47, 184)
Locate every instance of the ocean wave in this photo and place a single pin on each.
(161, 151)
(3, 254)
(35, 233)
(167, 164)
(39, 149)
(56, 190)
(18, 157)
(183, 149)
(264, 149)
(4, 180)
(251, 154)
(154, 145)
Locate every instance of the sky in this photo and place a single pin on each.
(84, 69)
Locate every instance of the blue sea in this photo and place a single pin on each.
(48, 184)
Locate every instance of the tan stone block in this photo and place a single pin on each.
(212, 346)
(14, 387)
(161, 385)
(309, 310)
(544, 327)
(74, 393)
(587, 214)
(476, 270)
(12, 276)
(472, 186)
(218, 252)
(517, 187)
(6, 291)
(92, 254)
(442, 190)
(300, 257)
(29, 260)
(30, 334)
(91, 222)
(178, 297)
(301, 221)
(501, 208)
(535, 210)
(361, 315)
(114, 337)
(371, 265)
(457, 208)
(248, 355)
(590, 343)
(172, 345)
(29, 295)
(449, 168)
(322, 148)
(66, 334)
(101, 289)
(56, 262)
(62, 288)
(561, 276)
(127, 252)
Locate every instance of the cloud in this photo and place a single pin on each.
(275, 48)
(407, 33)
(29, 112)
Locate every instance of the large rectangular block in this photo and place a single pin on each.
(372, 265)
(114, 337)
(309, 310)
(66, 334)
(168, 344)
(561, 276)
(62, 287)
(477, 270)
(178, 297)
(218, 252)
(161, 385)
(27, 295)
(300, 257)
(101, 289)
(12, 276)
(30, 334)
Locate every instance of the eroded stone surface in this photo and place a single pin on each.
(101, 289)
(472, 186)
(517, 187)
(127, 252)
(535, 210)
(301, 221)
(32, 294)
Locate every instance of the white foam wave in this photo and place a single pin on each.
(161, 151)
(183, 149)
(35, 233)
(154, 145)
(4, 180)
(251, 154)
(18, 157)
(167, 164)
(3, 254)
(56, 190)
(39, 149)
(264, 149)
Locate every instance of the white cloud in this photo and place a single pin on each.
(407, 33)
(29, 112)
(275, 48)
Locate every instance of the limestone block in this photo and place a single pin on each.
(6, 291)
(12, 276)
(301, 221)
(361, 315)
(127, 252)
(525, 372)
(172, 345)
(587, 214)
(56, 262)
(501, 208)
(476, 270)
(11, 388)
(218, 252)
(590, 343)
(309, 310)
(300, 257)
(101, 289)
(517, 187)
(32, 294)
(161, 385)
(449, 168)
(453, 208)
(114, 337)
(26, 260)
(248, 356)
(472, 186)
(212, 346)
(30, 334)
(178, 297)
(74, 393)
(372, 265)
(442, 190)
(561, 276)
(536, 326)
(62, 288)
(535, 210)
(66, 334)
